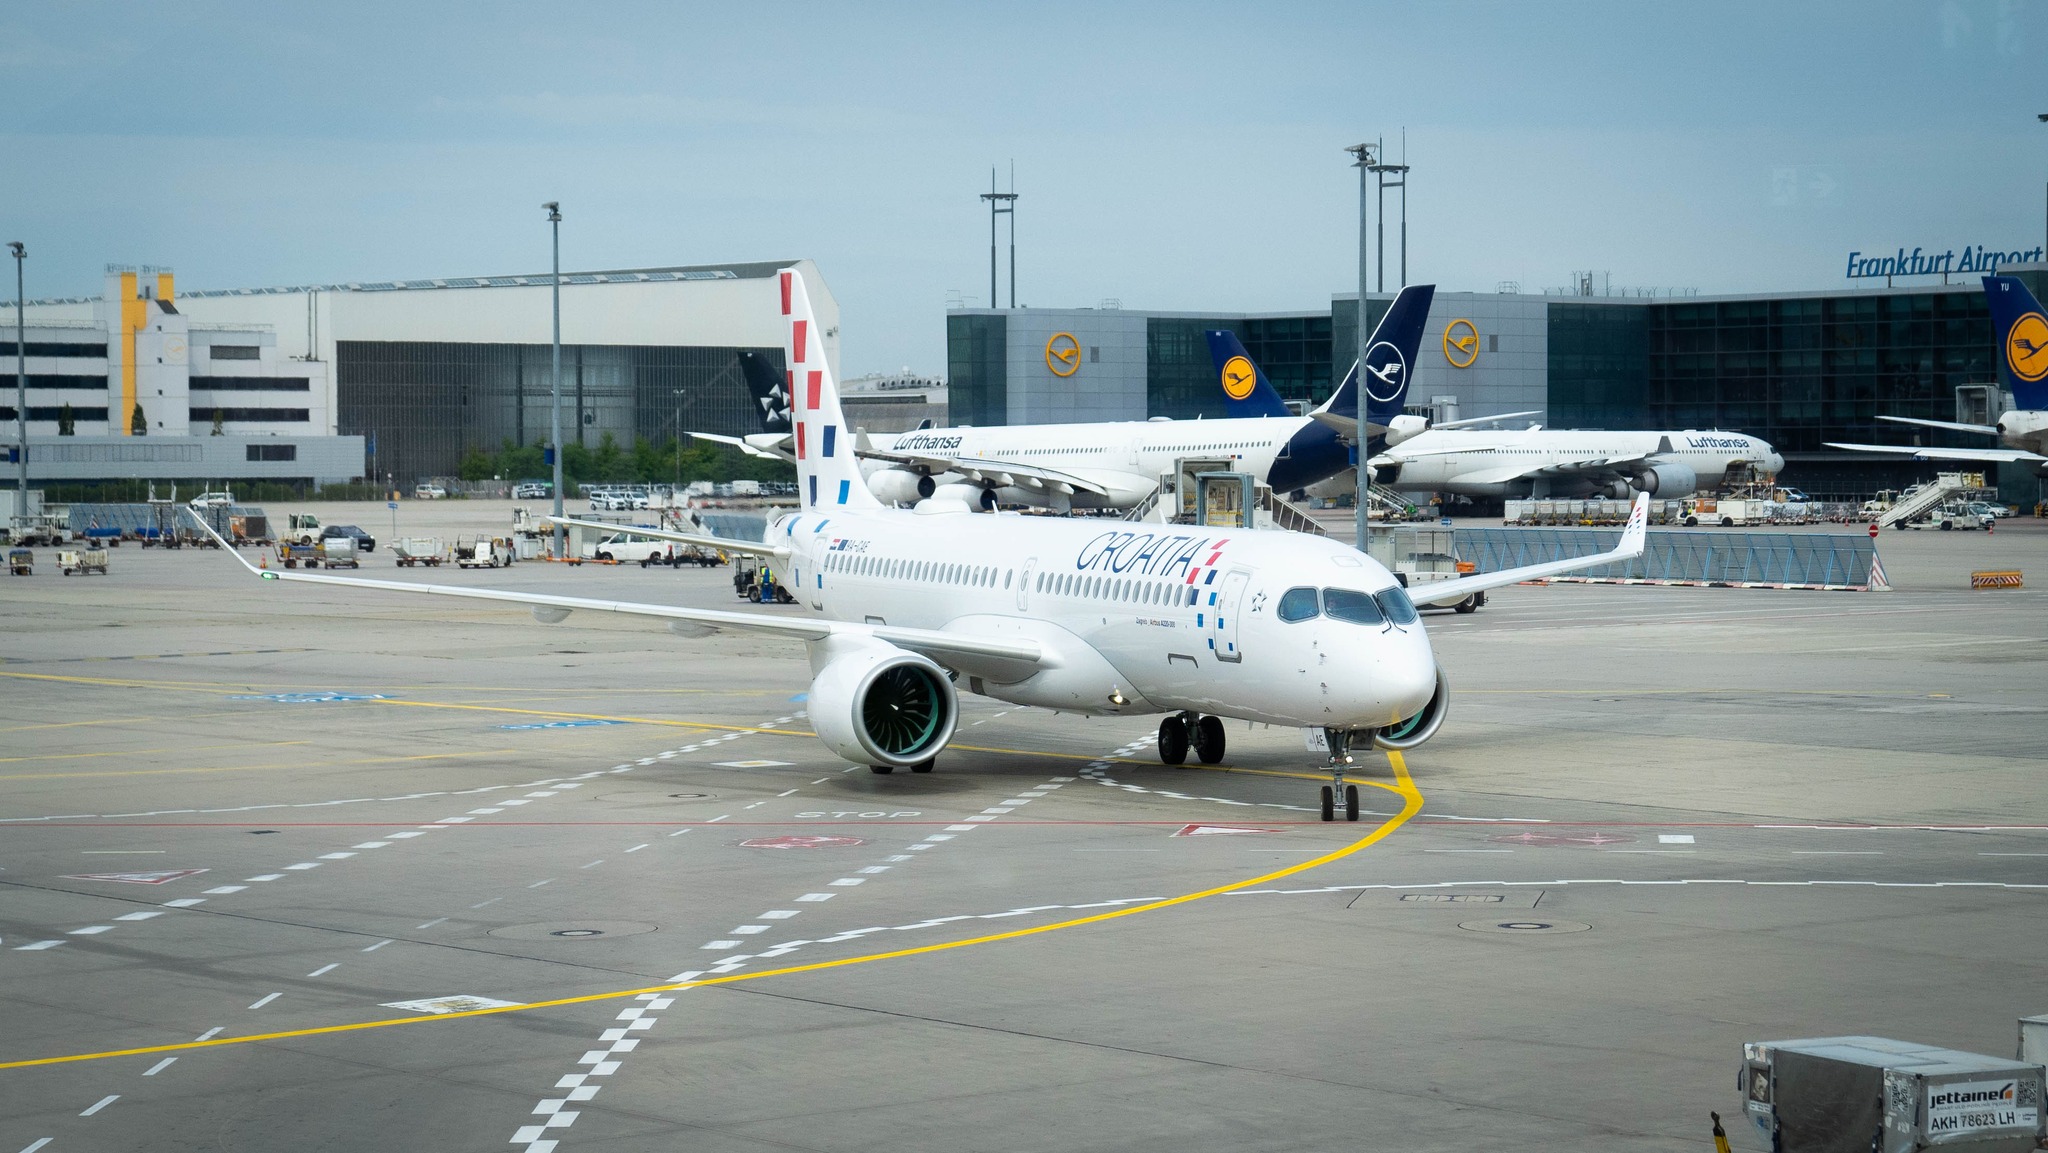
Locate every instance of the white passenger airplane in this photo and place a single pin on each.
(2022, 329)
(1543, 462)
(1072, 615)
(1117, 464)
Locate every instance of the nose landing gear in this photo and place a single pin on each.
(1340, 741)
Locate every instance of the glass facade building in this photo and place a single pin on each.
(427, 403)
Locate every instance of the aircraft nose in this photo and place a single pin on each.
(1775, 461)
(1408, 680)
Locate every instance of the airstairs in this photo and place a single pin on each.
(1930, 496)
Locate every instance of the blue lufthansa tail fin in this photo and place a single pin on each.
(1389, 359)
(1246, 391)
(2022, 329)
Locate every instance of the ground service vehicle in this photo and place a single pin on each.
(212, 500)
(530, 490)
(754, 581)
(484, 552)
(627, 548)
(426, 550)
(428, 492)
(84, 560)
(364, 541)
(21, 562)
(301, 528)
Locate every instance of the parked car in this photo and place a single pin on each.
(213, 500)
(531, 490)
(1990, 510)
(428, 492)
(364, 541)
(627, 548)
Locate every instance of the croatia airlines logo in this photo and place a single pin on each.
(1386, 373)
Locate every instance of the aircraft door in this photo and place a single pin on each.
(1024, 585)
(1221, 606)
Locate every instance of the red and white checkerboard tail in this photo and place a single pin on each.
(827, 470)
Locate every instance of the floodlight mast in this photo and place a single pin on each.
(1362, 159)
(20, 379)
(555, 226)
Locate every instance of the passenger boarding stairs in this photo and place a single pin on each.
(1931, 496)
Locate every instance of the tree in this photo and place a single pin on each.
(138, 423)
(219, 419)
(477, 465)
(65, 425)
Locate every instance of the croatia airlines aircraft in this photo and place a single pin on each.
(2022, 329)
(914, 605)
(1118, 464)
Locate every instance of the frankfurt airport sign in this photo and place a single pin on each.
(1920, 262)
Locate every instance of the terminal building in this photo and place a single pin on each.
(1798, 369)
(391, 380)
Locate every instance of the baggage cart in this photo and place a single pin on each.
(83, 560)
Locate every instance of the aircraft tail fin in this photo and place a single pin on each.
(769, 388)
(2022, 329)
(1246, 391)
(828, 472)
(1389, 360)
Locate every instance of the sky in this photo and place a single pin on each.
(1179, 156)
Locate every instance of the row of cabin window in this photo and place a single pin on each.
(933, 572)
(1114, 588)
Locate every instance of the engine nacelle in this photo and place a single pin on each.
(1405, 426)
(1423, 725)
(1667, 479)
(972, 495)
(900, 486)
(875, 704)
(1618, 490)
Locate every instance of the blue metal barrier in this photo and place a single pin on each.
(1776, 560)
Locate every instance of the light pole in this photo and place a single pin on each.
(20, 379)
(1363, 161)
(555, 226)
(2041, 116)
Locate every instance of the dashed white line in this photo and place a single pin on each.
(37, 946)
(817, 896)
(636, 848)
(38, 1143)
(431, 924)
(265, 877)
(266, 999)
(210, 1034)
(140, 915)
(377, 946)
(91, 930)
(225, 889)
(184, 902)
(492, 901)
(102, 1103)
(542, 881)
(159, 1067)
(324, 970)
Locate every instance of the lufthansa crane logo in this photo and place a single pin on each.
(1238, 378)
(1461, 349)
(2026, 347)
(1063, 354)
(1386, 373)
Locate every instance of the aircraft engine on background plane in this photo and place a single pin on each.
(1666, 479)
(875, 704)
(1405, 426)
(1407, 734)
(900, 486)
(972, 495)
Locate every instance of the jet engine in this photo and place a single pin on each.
(900, 486)
(972, 495)
(1667, 479)
(1404, 426)
(875, 704)
(1423, 725)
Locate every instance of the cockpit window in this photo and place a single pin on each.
(1352, 605)
(1398, 607)
(1299, 605)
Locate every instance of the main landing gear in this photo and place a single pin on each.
(1182, 730)
(1340, 741)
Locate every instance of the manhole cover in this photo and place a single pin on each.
(1535, 839)
(801, 842)
(573, 930)
(1526, 927)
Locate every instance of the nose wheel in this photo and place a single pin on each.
(1340, 741)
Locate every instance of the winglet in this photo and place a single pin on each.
(1635, 534)
(231, 550)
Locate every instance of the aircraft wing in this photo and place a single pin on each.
(1346, 424)
(1953, 426)
(769, 446)
(689, 622)
(1473, 420)
(1494, 475)
(1633, 537)
(754, 548)
(1987, 455)
(1003, 473)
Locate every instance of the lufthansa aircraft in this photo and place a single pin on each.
(1072, 615)
(2022, 329)
(1544, 462)
(1118, 464)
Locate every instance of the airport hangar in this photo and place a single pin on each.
(328, 383)
(1798, 369)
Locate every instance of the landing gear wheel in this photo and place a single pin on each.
(1329, 803)
(924, 766)
(1469, 604)
(884, 769)
(1209, 739)
(1350, 802)
(1173, 741)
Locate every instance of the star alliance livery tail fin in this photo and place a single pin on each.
(827, 471)
(768, 386)
(2022, 330)
(1389, 359)
(1246, 392)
